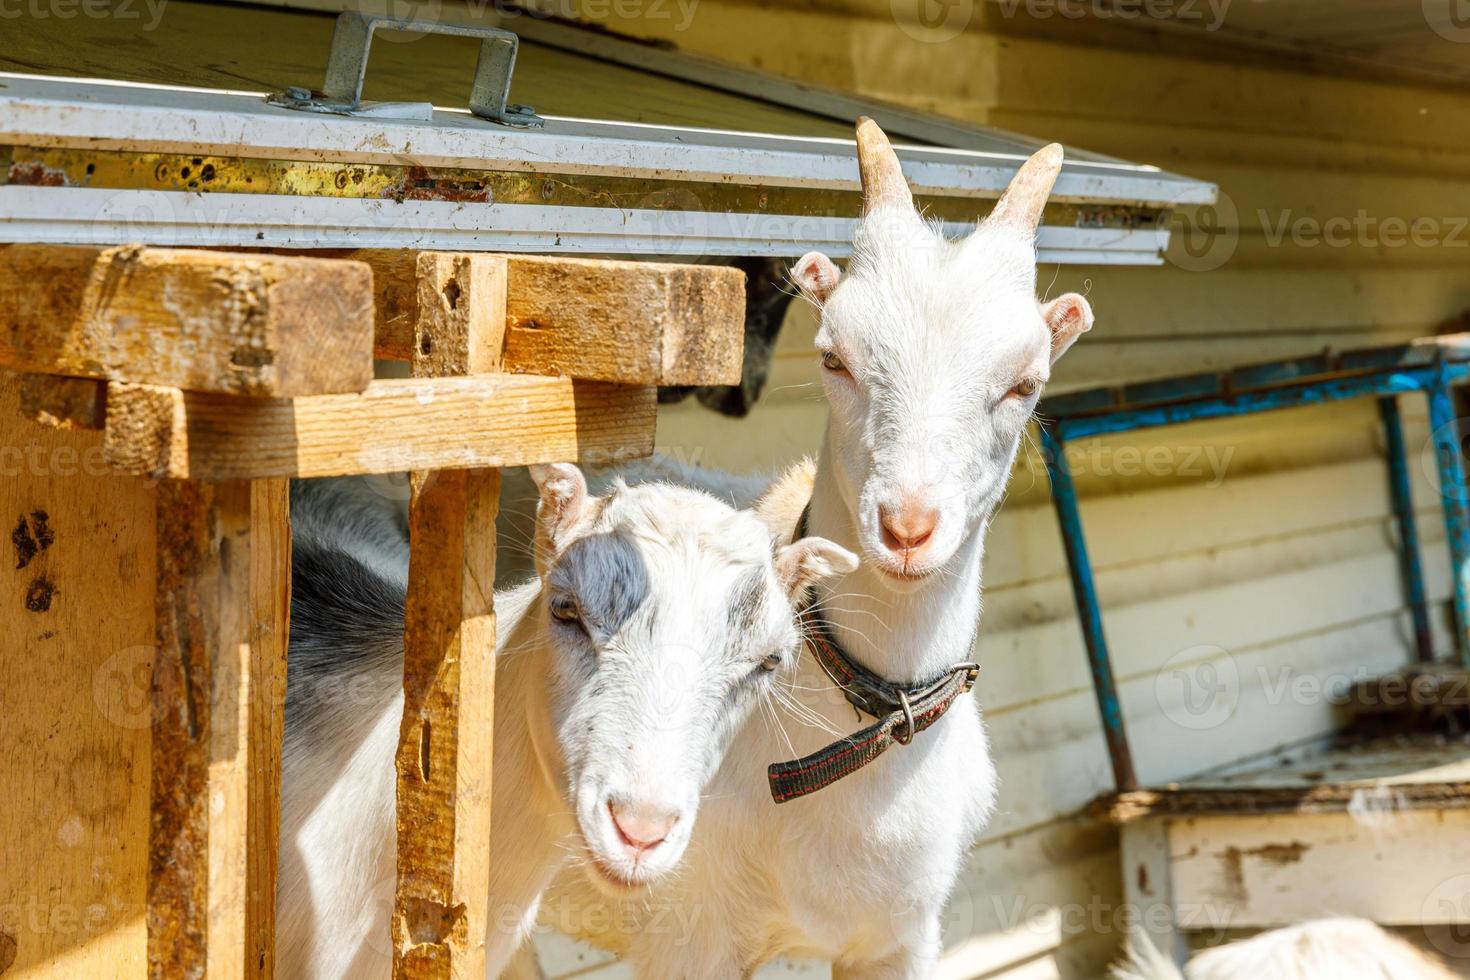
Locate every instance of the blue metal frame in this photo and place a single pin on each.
(1269, 399)
(1434, 380)
(1089, 610)
(1401, 493)
(1448, 447)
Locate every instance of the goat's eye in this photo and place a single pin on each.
(1026, 387)
(832, 362)
(772, 661)
(566, 609)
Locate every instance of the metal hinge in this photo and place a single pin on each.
(341, 93)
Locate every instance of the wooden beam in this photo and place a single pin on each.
(459, 327)
(444, 748)
(420, 423)
(1148, 886)
(1264, 872)
(221, 608)
(75, 715)
(240, 323)
(645, 323)
(187, 605)
(270, 600)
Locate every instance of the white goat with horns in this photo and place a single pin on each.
(933, 355)
(661, 617)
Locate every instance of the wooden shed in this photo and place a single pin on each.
(215, 224)
(139, 833)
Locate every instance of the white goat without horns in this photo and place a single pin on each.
(659, 619)
(1328, 949)
(933, 355)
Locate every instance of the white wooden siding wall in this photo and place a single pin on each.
(1283, 568)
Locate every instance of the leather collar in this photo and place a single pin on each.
(900, 711)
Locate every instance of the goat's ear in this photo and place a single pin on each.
(1067, 317)
(563, 499)
(816, 276)
(810, 560)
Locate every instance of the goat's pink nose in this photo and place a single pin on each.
(642, 827)
(909, 526)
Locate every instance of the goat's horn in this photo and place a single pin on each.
(883, 181)
(1024, 200)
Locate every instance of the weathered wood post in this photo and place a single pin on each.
(149, 658)
(222, 603)
(444, 747)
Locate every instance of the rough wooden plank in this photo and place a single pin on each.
(444, 755)
(75, 656)
(1424, 772)
(223, 721)
(629, 322)
(641, 323)
(187, 606)
(420, 423)
(250, 324)
(221, 616)
(1328, 798)
(1386, 866)
(147, 431)
(64, 403)
(270, 598)
(459, 327)
(444, 748)
(1148, 887)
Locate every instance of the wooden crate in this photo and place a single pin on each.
(156, 404)
(1370, 826)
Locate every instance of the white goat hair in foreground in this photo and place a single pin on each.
(1328, 949)
(933, 355)
(659, 619)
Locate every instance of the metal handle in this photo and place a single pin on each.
(347, 67)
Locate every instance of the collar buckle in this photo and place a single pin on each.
(908, 720)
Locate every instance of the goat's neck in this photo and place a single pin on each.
(522, 675)
(906, 637)
(528, 812)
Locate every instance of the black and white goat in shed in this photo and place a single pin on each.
(659, 619)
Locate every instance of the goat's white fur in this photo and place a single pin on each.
(636, 704)
(935, 336)
(1328, 949)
